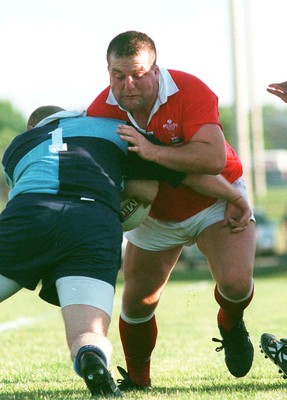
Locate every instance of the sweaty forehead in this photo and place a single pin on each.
(142, 61)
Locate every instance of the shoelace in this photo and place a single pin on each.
(127, 383)
(219, 348)
(126, 379)
(233, 338)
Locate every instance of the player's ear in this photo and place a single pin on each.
(156, 72)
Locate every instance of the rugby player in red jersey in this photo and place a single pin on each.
(180, 111)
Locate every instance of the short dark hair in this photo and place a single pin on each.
(129, 43)
(41, 113)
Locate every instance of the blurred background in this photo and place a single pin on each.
(54, 52)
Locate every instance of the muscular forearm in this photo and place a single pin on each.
(205, 153)
(212, 186)
(194, 157)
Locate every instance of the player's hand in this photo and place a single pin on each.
(237, 214)
(140, 144)
(279, 90)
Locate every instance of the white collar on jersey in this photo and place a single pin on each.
(61, 114)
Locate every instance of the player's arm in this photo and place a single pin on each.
(206, 184)
(238, 210)
(212, 186)
(205, 153)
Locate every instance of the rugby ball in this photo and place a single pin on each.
(133, 213)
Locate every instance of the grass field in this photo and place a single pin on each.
(35, 364)
(274, 202)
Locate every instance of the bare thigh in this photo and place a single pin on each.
(145, 275)
(230, 257)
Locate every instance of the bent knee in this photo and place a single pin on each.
(236, 286)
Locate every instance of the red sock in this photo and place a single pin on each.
(138, 341)
(230, 312)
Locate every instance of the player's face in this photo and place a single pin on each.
(134, 81)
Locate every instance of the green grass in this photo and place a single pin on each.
(274, 202)
(35, 364)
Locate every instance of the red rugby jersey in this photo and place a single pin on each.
(184, 104)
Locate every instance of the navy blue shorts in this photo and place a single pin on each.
(46, 237)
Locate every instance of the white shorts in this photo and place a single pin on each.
(158, 235)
